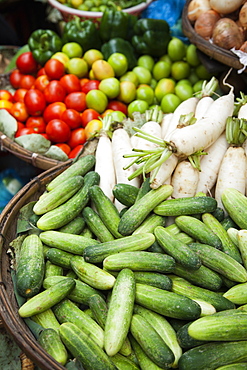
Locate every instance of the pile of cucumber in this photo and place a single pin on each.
(162, 284)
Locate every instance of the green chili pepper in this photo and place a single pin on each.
(43, 44)
(118, 45)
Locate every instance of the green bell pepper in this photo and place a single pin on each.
(43, 44)
(151, 36)
(118, 45)
(84, 33)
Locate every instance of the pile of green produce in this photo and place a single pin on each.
(100, 5)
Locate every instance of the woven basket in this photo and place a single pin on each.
(11, 320)
(221, 55)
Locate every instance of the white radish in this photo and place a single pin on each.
(165, 171)
(203, 106)
(242, 113)
(165, 123)
(210, 164)
(184, 180)
(153, 128)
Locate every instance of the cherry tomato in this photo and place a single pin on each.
(71, 83)
(20, 125)
(74, 152)
(72, 117)
(19, 111)
(54, 69)
(26, 63)
(83, 81)
(6, 104)
(76, 100)
(64, 147)
(41, 72)
(54, 92)
(19, 94)
(27, 82)
(77, 137)
(44, 135)
(58, 131)
(24, 131)
(117, 105)
(15, 78)
(37, 124)
(35, 102)
(90, 85)
(92, 127)
(41, 82)
(54, 110)
(6, 95)
(87, 115)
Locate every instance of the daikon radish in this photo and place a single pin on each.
(184, 180)
(203, 106)
(152, 128)
(165, 123)
(164, 172)
(210, 164)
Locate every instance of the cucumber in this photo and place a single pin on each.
(167, 303)
(198, 230)
(63, 192)
(186, 206)
(125, 193)
(177, 249)
(151, 342)
(71, 243)
(235, 204)
(155, 279)
(237, 294)
(242, 238)
(144, 361)
(137, 242)
(52, 269)
(84, 348)
(140, 261)
(92, 274)
(144, 188)
(150, 223)
(137, 213)
(49, 339)
(119, 313)
(78, 168)
(68, 311)
(185, 340)
(124, 363)
(59, 257)
(96, 225)
(47, 319)
(220, 262)
(210, 356)
(47, 298)
(67, 211)
(75, 226)
(30, 266)
(236, 366)
(228, 222)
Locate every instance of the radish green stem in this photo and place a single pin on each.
(236, 130)
(208, 88)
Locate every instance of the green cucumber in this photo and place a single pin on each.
(167, 303)
(150, 223)
(143, 360)
(78, 168)
(237, 294)
(47, 319)
(186, 206)
(235, 204)
(30, 266)
(68, 311)
(67, 211)
(140, 261)
(96, 225)
(235, 366)
(75, 226)
(82, 347)
(125, 193)
(59, 257)
(144, 188)
(120, 311)
(52, 269)
(137, 213)
(138, 242)
(156, 279)
(47, 298)
(123, 362)
(58, 196)
(228, 222)
(49, 339)
(198, 230)
(185, 340)
(177, 249)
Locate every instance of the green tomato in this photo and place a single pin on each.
(97, 100)
(161, 69)
(176, 49)
(146, 61)
(203, 73)
(180, 70)
(145, 92)
(197, 87)
(143, 74)
(137, 106)
(119, 63)
(118, 116)
(130, 76)
(77, 66)
(169, 103)
(127, 92)
(72, 49)
(163, 87)
(184, 91)
(192, 56)
(110, 86)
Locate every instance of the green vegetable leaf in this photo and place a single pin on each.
(55, 152)
(34, 142)
(8, 124)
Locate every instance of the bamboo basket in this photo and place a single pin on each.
(13, 323)
(215, 52)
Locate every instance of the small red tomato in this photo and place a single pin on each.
(90, 85)
(74, 152)
(87, 115)
(54, 110)
(76, 100)
(77, 137)
(20, 125)
(19, 111)
(64, 147)
(58, 131)
(41, 82)
(6, 95)
(27, 82)
(44, 135)
(54, 92)
(15, 78)
(24, 131)
(19, 94)
(71, 83)
(72, 117)
(35, 102)
(83, 81)
(37, 124)
(54, 69)
(41, 72)
(26, 63)
(117, 105)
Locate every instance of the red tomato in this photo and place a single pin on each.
(26, 63)
(19, 94)
(76, 100)
(58, 131)
(20, 125)
(15, 78)
(6, 95)
(35, 102)
(71, 83)
(54, 69)
(90, 85)
(27, 82)
(83, 81)
(87, 115)
(41, 72)
(54, 92)
(44, 135)
(77, 137)
(37, 124)
(72, 117)
(19, 111)
(64, 147)
(24, 131)
(6, 104)
(41, 82)
(118, 105)
(54, 110)
(92, 128)
(74, 152)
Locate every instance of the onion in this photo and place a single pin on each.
(227, 34)
(197, 7)
(244, 47)
(205, 23)
(226, 6)
(243, 15)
